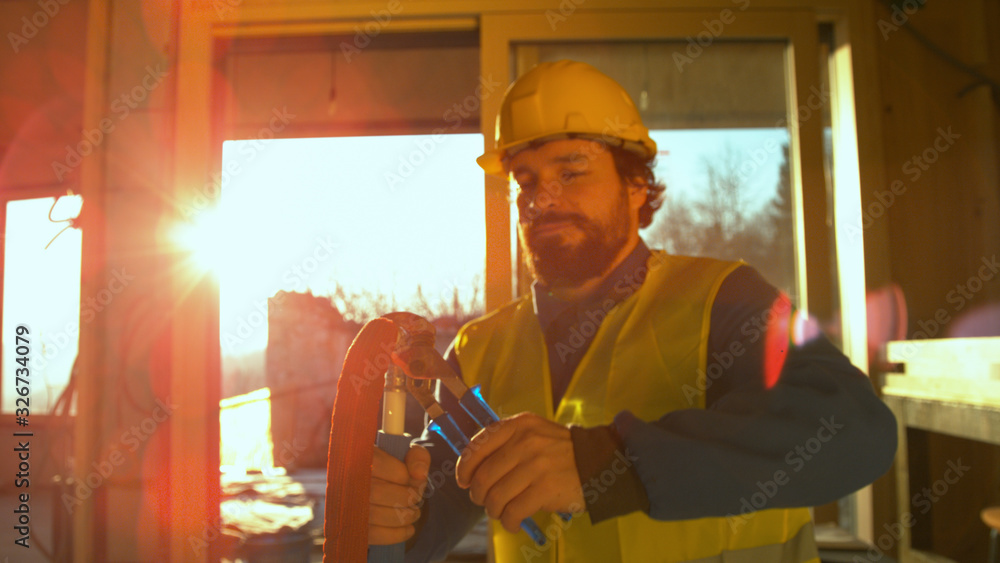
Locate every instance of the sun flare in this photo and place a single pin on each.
(205, 239)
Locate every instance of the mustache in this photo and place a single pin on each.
(555, 217)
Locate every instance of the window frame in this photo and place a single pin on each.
(193, 443)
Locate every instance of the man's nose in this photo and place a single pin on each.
(548, 196)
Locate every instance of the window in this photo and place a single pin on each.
(41, 290)
(723, 146)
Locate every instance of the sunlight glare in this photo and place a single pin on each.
(204, 239)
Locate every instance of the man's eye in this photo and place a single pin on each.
(567, 176)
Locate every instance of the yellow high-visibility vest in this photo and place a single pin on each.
(647, 357)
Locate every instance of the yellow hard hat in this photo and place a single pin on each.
(564, 99)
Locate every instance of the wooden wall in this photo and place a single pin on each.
(940, 108)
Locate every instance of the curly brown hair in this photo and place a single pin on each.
(634, 167)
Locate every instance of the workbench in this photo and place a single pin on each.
(949, 386)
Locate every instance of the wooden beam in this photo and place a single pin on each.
(92, 341)
(195, 378)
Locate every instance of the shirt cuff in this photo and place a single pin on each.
(611, 484)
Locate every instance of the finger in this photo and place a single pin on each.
(418, 463)
(388, 468)
(491, 471)
(521, 506)
(508, 487)
(384, 493)
(392, 517)
(381, 535)
(482, 445)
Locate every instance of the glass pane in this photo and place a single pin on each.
(41, 290)
(369, 222)
(312, 238)
(718, 116)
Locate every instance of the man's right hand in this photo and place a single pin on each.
(396, 495)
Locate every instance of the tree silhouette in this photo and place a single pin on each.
(724, 222)
(450, 304)
(782, 272)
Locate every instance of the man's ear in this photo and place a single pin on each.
(638, 191)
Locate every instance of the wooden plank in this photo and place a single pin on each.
(195, 377)
(964, 420)
(969, 391)
(902, 468)
(92, 345)
(950, 349)
(965, 370)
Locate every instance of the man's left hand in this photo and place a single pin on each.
(519, 466)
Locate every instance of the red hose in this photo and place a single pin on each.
(352, 441)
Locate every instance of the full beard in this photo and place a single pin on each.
(557, 263)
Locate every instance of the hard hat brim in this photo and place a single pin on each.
(494, 161)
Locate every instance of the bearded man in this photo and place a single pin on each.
(660, 400)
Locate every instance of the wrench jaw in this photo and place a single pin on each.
(414, 355)
(423, 391)
(421, 361)
(414, 352)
